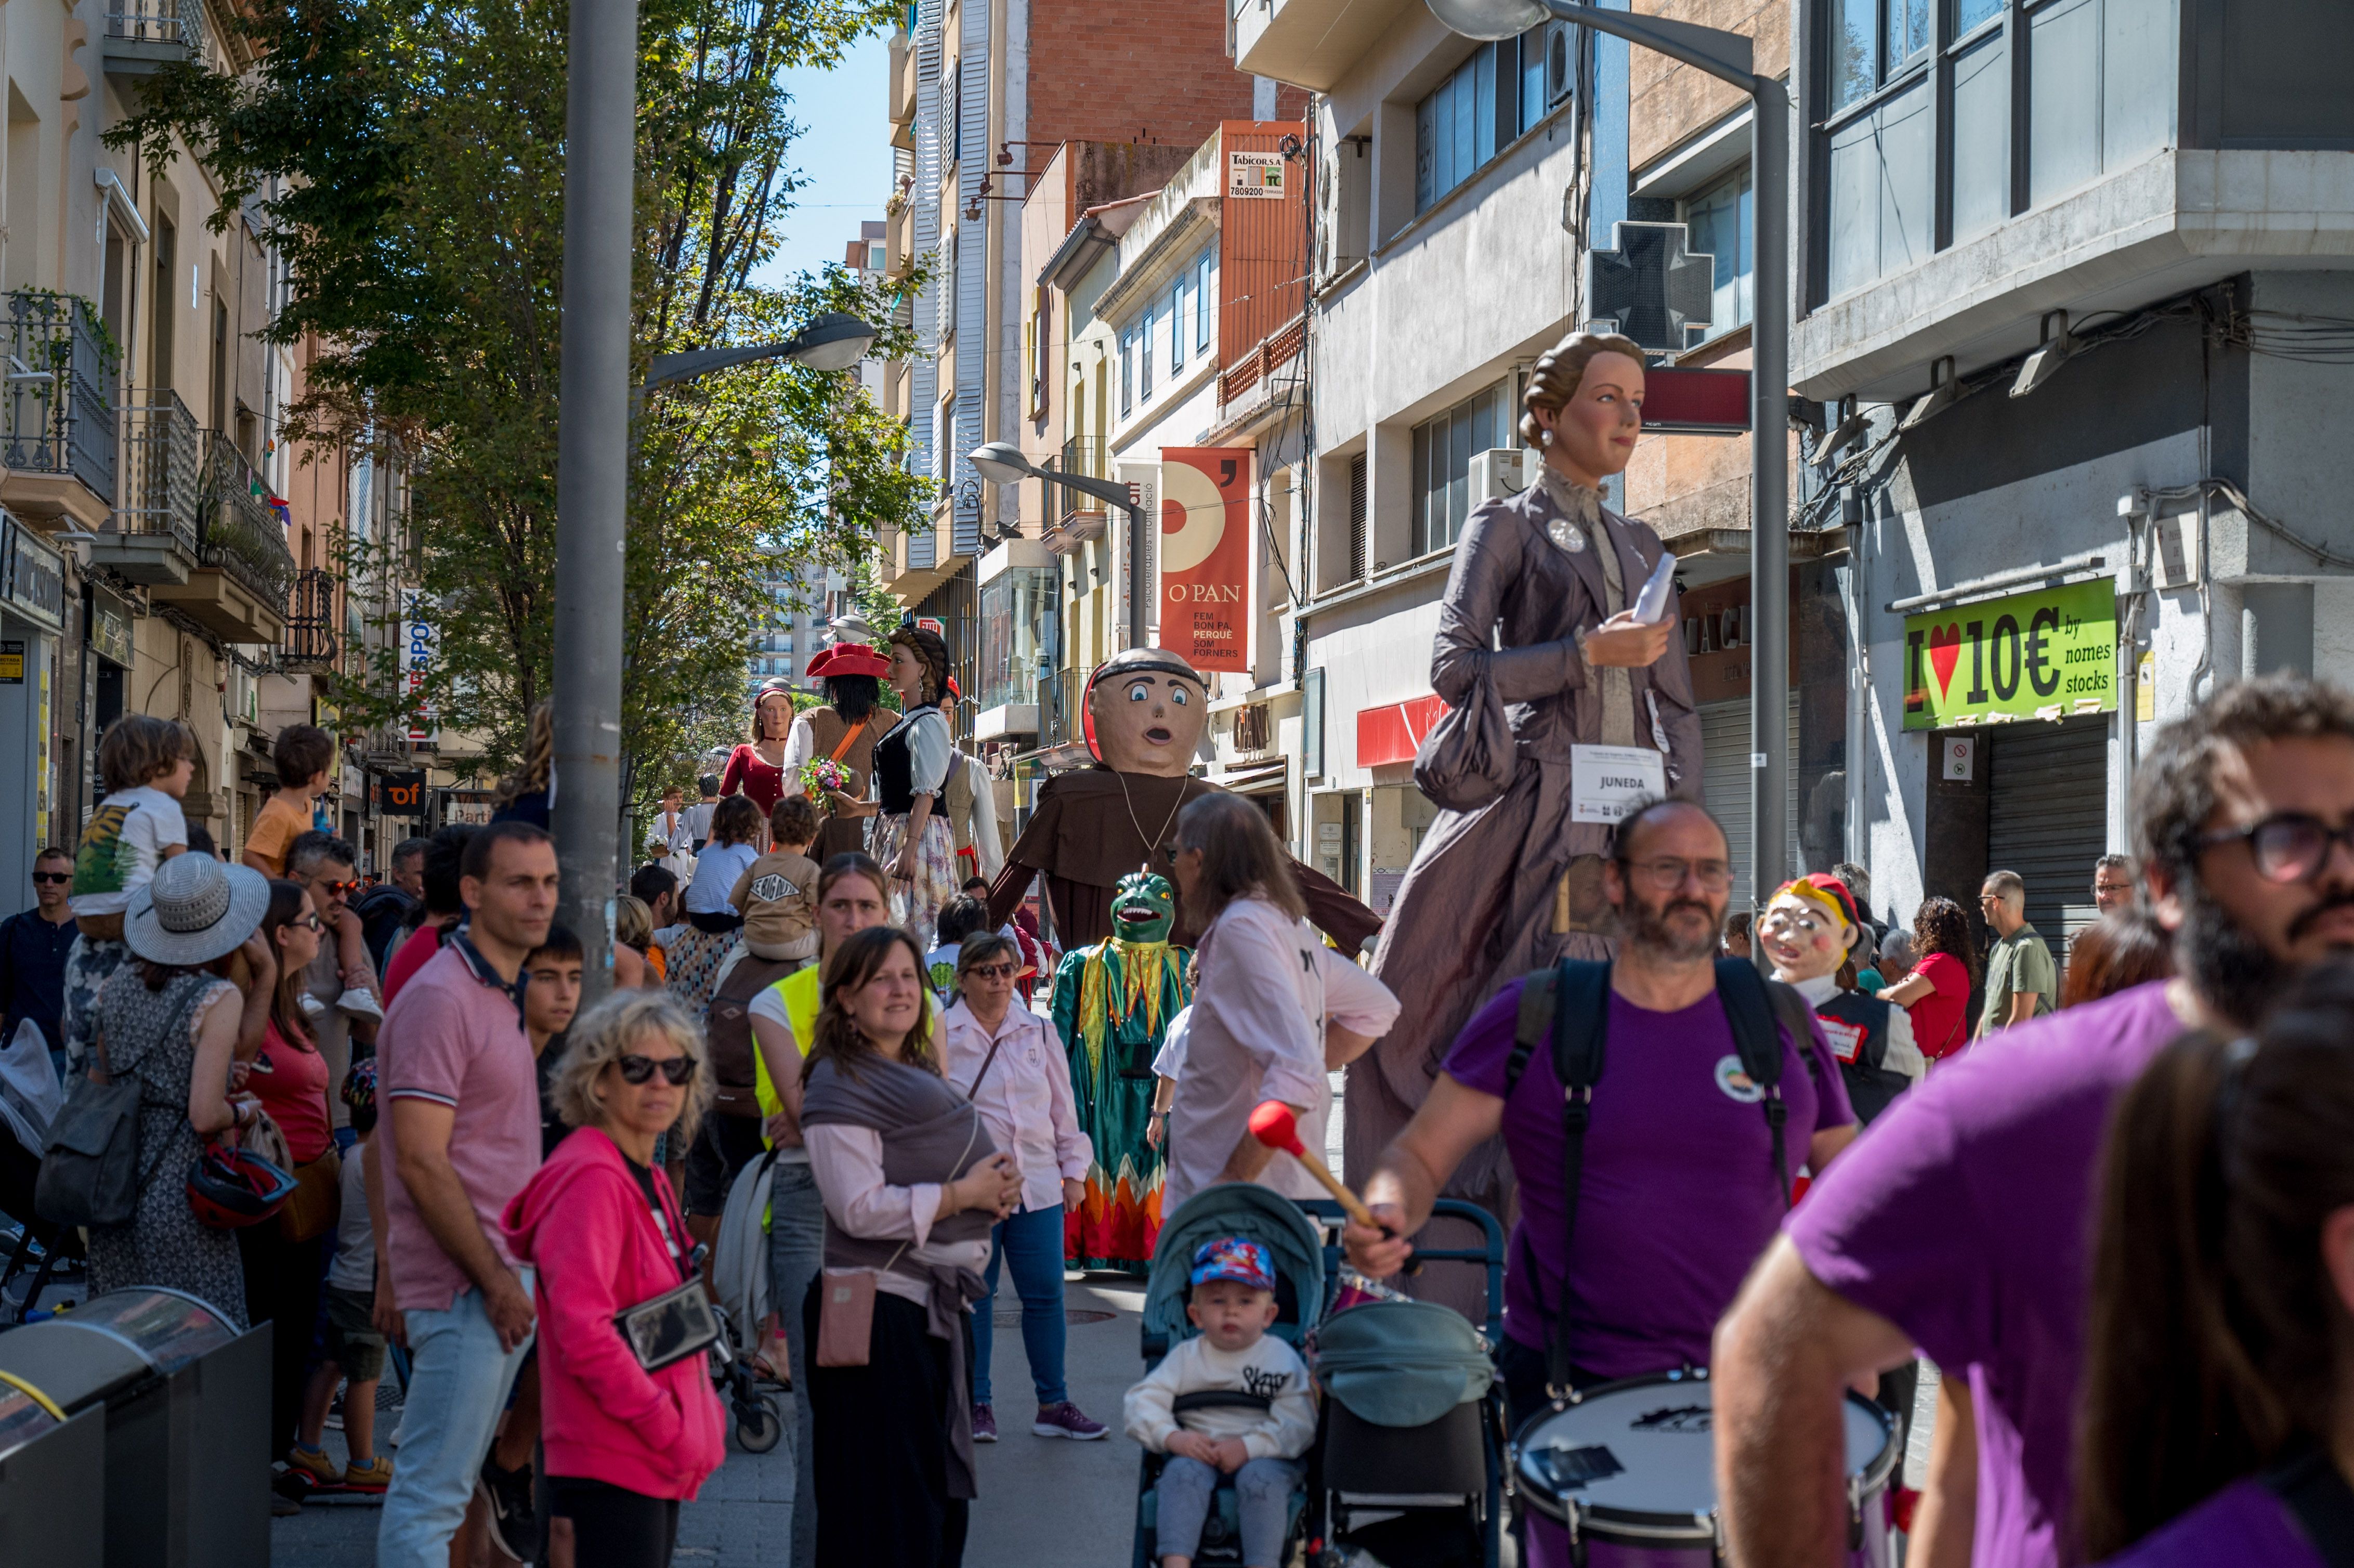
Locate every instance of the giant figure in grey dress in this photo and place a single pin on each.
(1516, 885)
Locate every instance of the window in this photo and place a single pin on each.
(1873, 42)
(1177, 316)
(1201, 303)
(1502, 90)
(1357, 529)
(1144, 355)
(1128, 370)
(1442, 464)
(1722, 218)
(1017, 610)
(878, 254)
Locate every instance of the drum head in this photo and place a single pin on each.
(1636, 1460)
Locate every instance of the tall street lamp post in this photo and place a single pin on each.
(1727, 57)
(1002, 462)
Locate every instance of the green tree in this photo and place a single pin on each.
(405, 158)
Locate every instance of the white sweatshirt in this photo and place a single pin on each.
(1269, 1367)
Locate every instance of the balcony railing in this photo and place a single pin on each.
(238, 532)
(161, 470)
(157, 30)
(1278, 347)
(1083, 455)
(61, 405)
(310, 639)
(1059, 720)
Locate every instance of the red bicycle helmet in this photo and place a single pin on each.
(232, 1188)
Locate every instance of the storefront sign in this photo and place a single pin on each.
(400, 794)
(32, 576)
(110, 628)
(416, 662)
(12, 661)
(1205, 556)
(1254, 175)
(1393, 732)
(2046, 654)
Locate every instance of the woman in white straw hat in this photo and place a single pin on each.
(169, 1021)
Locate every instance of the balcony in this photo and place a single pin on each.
(310, 639)
(1060, 722)
(1312, 43)
(56, 427)
(1257, 367)
(151, 537)
(143, 37)
(244, 570)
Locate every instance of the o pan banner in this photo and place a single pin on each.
(1205, 556)
(2043, 655)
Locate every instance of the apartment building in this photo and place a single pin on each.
(2083, 274)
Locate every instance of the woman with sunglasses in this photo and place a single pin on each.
(624, 1446)
(913, 1186)
(1009, 1062)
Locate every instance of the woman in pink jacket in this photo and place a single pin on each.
(624, 1446)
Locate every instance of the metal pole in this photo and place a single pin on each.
(592, 471)
(1136, 637)
(1769, 491)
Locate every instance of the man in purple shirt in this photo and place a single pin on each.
(1676, 1192)
(1960, 1225)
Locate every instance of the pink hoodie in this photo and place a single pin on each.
(583, 1223)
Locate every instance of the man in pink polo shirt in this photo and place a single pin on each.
(1962, 1221)
(455, 1068)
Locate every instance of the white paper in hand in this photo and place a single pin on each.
(1652, 604)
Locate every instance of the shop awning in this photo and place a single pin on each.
(1394, 732)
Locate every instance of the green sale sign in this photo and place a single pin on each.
(2047, 654)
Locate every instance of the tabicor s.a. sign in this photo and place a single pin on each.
(1254, 175)
(2046, 654)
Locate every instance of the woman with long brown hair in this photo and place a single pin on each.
(912, 1187)
(1936, 994)
(2123, 949)
(2217, 1425)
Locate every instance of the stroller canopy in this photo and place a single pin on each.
(1235, 1209)
(1401, 1364)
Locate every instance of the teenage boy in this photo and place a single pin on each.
(146, 764)
(302, 754)
(698, 816)
(462, 1139)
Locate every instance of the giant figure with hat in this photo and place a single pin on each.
(843, 732)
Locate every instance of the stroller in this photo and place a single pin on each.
(739, 1278)
(1423, 1496)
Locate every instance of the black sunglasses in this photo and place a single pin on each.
(676, 1071)
(59, 877)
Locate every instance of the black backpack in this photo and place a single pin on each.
(1569, 1009)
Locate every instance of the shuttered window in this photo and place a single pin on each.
(1357, 529)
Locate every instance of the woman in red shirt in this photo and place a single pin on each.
(283, 1267)
(757, 767)
(1936, 994)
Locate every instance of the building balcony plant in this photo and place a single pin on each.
(57, 420)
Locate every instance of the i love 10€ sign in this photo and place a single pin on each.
(2047, 654)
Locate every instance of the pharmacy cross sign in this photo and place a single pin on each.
(1651, 286)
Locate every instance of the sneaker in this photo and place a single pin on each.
(314, 1463)
(513, 1528)
(1066, 1420)
(984, 1423)
(373, 1476)
(334, 1420)
(283, 1507)
(360, 1002)
(312, 1007)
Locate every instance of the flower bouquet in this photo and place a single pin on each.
(823, 778)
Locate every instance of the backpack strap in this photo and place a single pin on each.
(1759, 1010)
(1575, 1031)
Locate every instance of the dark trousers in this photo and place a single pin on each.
(882, 1445)
(613, 1527)
(282, 1287)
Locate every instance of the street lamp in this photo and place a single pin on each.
(1727, 57)
(834, 341)
(1002, 462)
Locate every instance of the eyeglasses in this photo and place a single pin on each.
(2286, 847)
(313, 923)
(1668, 873)
(676, 1071)
(993, 971)
(57, 877)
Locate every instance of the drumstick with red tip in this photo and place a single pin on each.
(1275, 1125)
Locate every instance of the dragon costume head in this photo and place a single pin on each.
(1143, 908)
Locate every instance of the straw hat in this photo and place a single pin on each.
(194, 910)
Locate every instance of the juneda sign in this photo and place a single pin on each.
(2046, 654)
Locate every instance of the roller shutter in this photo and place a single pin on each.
(1725, 785)
(2049, 818)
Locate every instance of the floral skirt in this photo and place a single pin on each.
(915, 905)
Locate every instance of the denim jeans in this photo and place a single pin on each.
(1262, 1493)
(796, 1255)
(1029, 1242)
(458, 1384)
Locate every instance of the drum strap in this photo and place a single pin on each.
(2314, 1490)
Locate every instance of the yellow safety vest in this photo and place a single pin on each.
(801, 996)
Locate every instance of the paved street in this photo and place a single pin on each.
(1043, 1504)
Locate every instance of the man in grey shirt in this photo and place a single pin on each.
(2022, 981)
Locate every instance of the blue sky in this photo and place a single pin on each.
(844, 156)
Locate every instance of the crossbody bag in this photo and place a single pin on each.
(664, 1330)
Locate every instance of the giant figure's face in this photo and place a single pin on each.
(1147, 721)
(1804, 941)
(1143, 908)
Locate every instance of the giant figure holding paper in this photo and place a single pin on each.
(1565, 704)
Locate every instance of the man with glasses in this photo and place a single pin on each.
(33, 947)
(2022, 981)
(2113, 882)
(339, 989)
(2244, 829)
(1676, 1192)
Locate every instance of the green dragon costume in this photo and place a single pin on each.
(1112, 1005)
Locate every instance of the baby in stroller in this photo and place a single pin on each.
(1233, 1399)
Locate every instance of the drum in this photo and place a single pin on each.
(1625, 1476)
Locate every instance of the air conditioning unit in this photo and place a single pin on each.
(1498, 471)
(244, 697)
